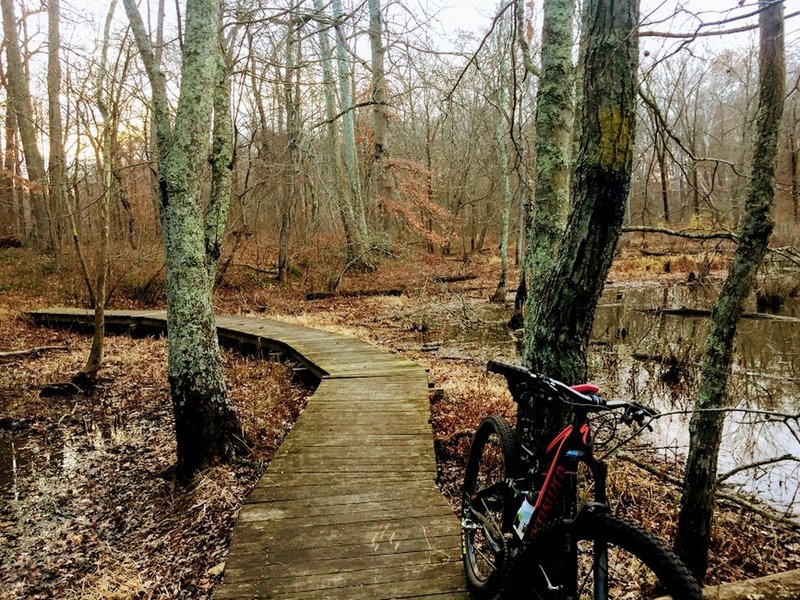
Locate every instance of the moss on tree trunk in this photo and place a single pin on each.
(694, 527)
(561, 314)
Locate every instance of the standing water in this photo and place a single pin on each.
(647, 346)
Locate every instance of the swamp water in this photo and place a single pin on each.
(647, 344)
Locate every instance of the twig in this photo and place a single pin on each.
(714, 235)
(755, 465)
(474, 56)
(768, 513)
(347, 110)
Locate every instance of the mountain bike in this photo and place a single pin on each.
(527, 533)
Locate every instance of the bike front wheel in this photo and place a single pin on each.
(487, 504)
(615, 560)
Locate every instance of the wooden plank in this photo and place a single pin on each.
(252, 567)
(348, 507)
(244, 553)
(365, 532)
(338, 502)
(407, 588)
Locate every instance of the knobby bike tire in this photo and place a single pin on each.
(493, 458)
(646, 568)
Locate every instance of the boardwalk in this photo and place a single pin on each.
(348, 507)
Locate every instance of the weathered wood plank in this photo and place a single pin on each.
(348, 507)
(253, 568)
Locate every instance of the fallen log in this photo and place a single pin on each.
(354, 294)
(781, 586)
(454, 278)
(9, 241)
(684, 311)
(32, 351)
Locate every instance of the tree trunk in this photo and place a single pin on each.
(342, 201)
(694, 526)
(216, 218)
(292, 135)
(206, 427)
(56, 167)
(554, 117)
(794, 154)
(558, 324)
(106, 154)
(661, 152)
(8, 195)
(380, 119)
(349, 136)
(505, 208)
(20, 104)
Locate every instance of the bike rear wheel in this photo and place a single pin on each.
(616, 559)
(487, 507)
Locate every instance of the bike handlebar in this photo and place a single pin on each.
(520, 377)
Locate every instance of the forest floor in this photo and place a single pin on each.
(114, 513)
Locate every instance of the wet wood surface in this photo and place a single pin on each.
(348, 507)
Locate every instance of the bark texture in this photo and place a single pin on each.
(205, 424)
(694, 526)
(560, 318)
(554, 116)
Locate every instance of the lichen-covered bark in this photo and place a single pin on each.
(216, 218)
(694, 526)
(205, 424)
(554, 116)
(560, 318)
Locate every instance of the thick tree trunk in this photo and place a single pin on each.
(205, 425)
(560, 319)
(694, 526)
(20, 104)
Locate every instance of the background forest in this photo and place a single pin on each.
(454, 107)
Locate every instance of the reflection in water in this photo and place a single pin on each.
(654, 358)
(27, 453)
